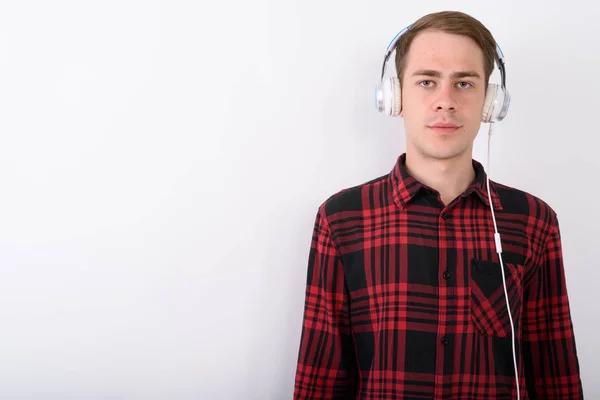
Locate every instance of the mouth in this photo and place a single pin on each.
(443, 128)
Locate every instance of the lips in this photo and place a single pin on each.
(443, 127)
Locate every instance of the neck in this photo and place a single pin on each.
(450, 177)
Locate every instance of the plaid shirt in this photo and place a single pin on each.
(405, 299)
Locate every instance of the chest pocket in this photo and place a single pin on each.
(488, 303)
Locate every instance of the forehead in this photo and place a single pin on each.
(444, 52)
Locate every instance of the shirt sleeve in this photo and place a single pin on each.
(326, 366)
(549, 350)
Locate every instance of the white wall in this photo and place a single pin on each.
(161, 164)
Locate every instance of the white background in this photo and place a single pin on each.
(161, 164)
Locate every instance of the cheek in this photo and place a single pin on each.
(410, 95)
(411, 104)
(477, 110)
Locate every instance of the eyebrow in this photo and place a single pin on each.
(455, 75)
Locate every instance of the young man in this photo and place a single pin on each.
(405, 295)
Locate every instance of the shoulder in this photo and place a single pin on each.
(521, 203)
(347, 205)
(351, 198)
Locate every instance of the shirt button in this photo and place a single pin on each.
(447, 275)
(445, 341)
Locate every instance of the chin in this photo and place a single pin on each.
(441, 153)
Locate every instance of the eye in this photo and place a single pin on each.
(426, 83)
(464, 85)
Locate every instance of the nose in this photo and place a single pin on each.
(444, 101)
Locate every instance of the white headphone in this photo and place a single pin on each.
(388, 98)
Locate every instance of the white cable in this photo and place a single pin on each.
(499, 250)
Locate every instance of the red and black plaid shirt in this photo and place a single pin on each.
(405, 299)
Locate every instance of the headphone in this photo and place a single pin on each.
(388, 97)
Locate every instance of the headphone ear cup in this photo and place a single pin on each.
(497, 101)
(389, 97)
(490, 101)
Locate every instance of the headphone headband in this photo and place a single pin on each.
(391, 47)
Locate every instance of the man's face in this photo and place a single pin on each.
(443, 84)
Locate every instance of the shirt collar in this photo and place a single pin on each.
(405, 187)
